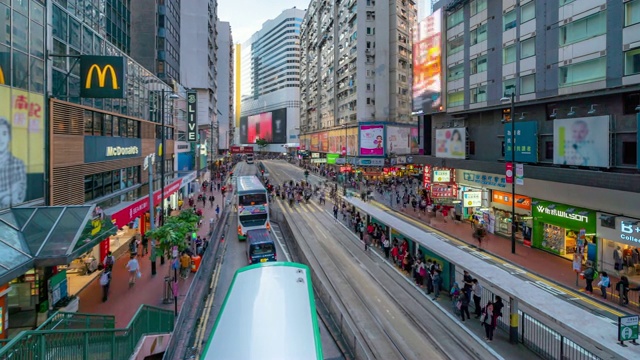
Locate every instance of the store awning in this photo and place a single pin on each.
(47, 236)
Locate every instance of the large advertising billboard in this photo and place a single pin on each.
(451, 143)
(427, 53)
(21, 146)
(270, 126)
(402, 140)
(581, 141)
(372, 140)
(525, 141)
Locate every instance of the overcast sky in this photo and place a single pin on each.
(247, 16)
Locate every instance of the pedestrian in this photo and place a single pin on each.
(366, 238)
(109, 260)
(217, 212)
(105, 281)
(497, 309)
(464, 303)
(185, 265)
(437, 282)
(623, 288)
(386, 246)
(589, 274)
(145, 245)
(604, 283)
(476, 288)
(133, 267)
(335, 212)
(488, 321)
(212, 199)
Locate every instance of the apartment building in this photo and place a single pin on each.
(224, 75)
(356, 68)
(270, 83)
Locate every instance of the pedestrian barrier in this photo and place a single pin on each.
(89, 343)
(68, 320)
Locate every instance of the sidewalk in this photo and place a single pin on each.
(123, 301)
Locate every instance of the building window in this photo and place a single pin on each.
(528, 84)
(527, 48)
(548, 150)
(629, 103)
(123, 127)
(478, 94)
(583, 72)
(456, 99)
(477, 6)
(456, 72)
(88, 122)
(565, 2)
(632, 12)
(508, 87)
(478, 65)
(629, 153)
(107, 125)
(509, 54)
(509, 20)
(479, 34)
(455, 18)
(527, 12)
(97, 124)
(116, 126)
(584, 28)
(455, 45)
(632, 62)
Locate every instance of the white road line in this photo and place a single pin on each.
(286, 253)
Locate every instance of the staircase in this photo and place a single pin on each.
(86, 336)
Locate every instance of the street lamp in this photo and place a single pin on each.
(513, 161)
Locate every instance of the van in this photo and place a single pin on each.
(260, 246)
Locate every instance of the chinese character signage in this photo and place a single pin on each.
(473, 178)
(426, 176)
(472, 198)
(102, 77)
(444, 191)
(192, 120)
(441, 176)
(525, 140)
(22, 143)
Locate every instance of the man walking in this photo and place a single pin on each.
(105, 281)
(476, 288)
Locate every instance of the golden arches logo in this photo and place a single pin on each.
(102, 76)
(1, 77)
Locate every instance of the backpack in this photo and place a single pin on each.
(104, 279)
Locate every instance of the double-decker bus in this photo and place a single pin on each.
(268, 313)
(253, 205)
(250, 158)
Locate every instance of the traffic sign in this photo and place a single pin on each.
(628, 328)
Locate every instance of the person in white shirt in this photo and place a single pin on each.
(476, 288)
(134, 268)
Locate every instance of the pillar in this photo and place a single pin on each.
(514, 320)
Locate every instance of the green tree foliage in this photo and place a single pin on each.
(175, 231)
(262, 143)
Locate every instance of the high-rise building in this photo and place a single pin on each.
(198, 54)
(224, 75)
(553, 84)
(270, 84)
(356, 68)
(155, 37)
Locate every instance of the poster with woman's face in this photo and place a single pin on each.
(372, 140)
(451, 143)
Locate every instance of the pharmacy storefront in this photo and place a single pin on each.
(564, 229)
(622, 235)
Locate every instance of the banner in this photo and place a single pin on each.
(315, 142)
(331, 158)
(509, 172)
(372, 140)
(324, 142)
(402, 140)
(451, 143)
(427, 54)
(504, 198)
(581, 141)
(192, 119)
(526, 141)
(22, 143)
(519, 174)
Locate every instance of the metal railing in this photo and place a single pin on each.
(68, 320)
(90, 343)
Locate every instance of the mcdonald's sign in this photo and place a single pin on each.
(102, 76)
(1, 76)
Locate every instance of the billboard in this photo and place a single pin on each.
(526, 141)
(324, 142)
(451, 143)
(315, 142)
(270, 126)
(581, 141)
(192, 113)
(102, 76)
(402, 140)
(427, 53)
(371, 140)
(21, 146)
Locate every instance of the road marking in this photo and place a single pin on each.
(284, 249)
(547, 288)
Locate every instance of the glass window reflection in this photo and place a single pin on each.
(37, 40)
(36, 77)
(5, 20)
(20, 70)
(20, 31)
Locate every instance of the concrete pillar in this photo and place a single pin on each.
(514, 320)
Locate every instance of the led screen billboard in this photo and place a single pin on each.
(581, 141)
(270, 126)
(427, 53)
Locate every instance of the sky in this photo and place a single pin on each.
(247, 16)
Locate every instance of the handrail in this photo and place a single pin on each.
(79, 344)
(66, 318)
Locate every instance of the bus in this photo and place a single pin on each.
(253, 205)
(249, 158)
(269, 312)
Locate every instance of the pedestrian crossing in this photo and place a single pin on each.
(311, 207)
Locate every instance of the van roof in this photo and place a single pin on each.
(258, 236)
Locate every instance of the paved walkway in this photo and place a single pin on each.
(123, 301)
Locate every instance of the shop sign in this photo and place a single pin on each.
(525, 141)
(401, 160)
(484, 179)
(103, 76)
(103, 148)
(138, 208)
(189, 178)
(192, 113)
(522, 202)
(319, 161)
(444, 191)
(509, 173)
(472, 198)
(564, 215)
(371, 162)
(315, 155)
(626, 229)
(426, 176)
(441, 176)
(241, 149)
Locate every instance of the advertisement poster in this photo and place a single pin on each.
(427, 53)
(270, 126)
(525, 140)
(415, 141)
(315, 142)
(472, 198)
(402, 140)
(372, 140)
(21, 146)
(451, 143)
(324, 142)
(441, 176)
(509, 172)
(581, 141)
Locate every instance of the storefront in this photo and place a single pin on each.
(564, 230)
(501, 207)
(443, 188)
(622, 235)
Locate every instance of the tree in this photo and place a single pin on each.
(262, 143)
(175, 231)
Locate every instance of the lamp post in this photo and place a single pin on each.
(512, 98)
(149, 161)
